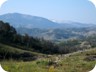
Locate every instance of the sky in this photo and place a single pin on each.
(71, 10)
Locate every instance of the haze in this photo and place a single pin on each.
(72, 10)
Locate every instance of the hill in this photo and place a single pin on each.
(9, 52)
(28, 21)
(10, 37)
(44, 28)
(59, 34)
(76, 62)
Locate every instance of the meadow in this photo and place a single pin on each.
(74, 62)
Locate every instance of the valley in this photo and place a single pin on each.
(35, 44)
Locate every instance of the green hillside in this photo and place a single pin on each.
(10, 52)
(74, 62)
(23, 53)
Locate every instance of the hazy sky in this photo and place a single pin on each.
(74, 10)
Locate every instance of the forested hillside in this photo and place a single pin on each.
(10, 37)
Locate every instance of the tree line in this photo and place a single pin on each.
(9, 36)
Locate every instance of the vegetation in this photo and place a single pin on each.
(9, 52)
(74, 62)
(24, 53)
(59, 34)
(10, 37)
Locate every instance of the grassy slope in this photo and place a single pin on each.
(13, 50)
(77, 63)
(70, 63)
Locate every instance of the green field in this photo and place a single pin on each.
(76, 62)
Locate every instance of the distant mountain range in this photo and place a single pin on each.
(47, 29)
(58, 35)
(27, 21)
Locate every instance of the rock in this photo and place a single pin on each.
(91, 58)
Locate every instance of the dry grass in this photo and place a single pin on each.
(72, 63)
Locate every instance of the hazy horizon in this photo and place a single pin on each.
(81, 11)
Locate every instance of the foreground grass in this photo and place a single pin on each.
(12, 66)
(10, 49)
(72, 63)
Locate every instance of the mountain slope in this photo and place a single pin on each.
(73, 63)
(28, 21)
(7, 52)
(71, 24)
(59, 34)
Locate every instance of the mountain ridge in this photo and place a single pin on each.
(24, 20)
(28, 21)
